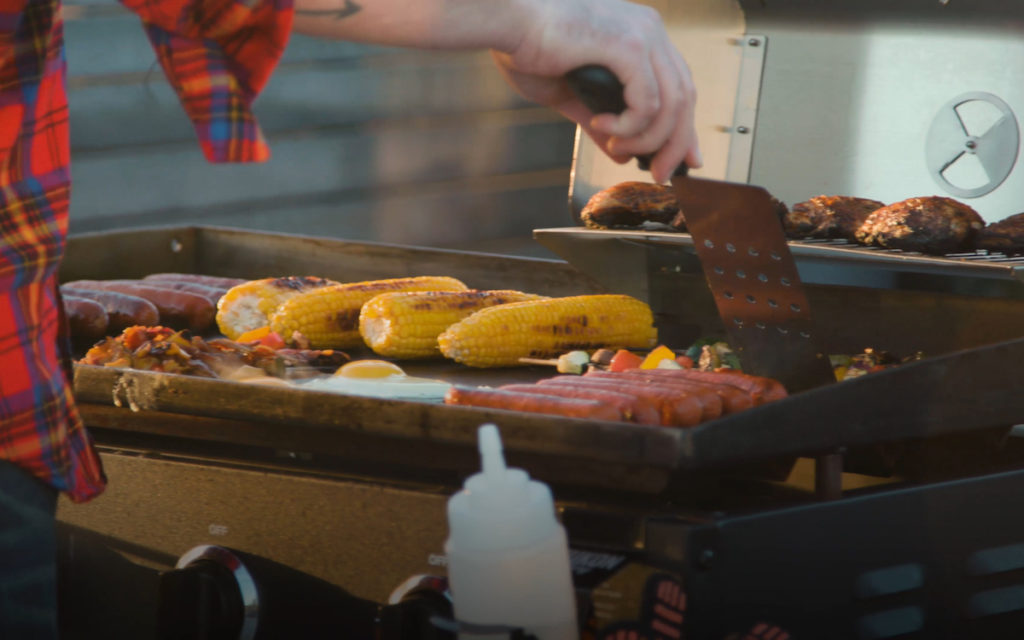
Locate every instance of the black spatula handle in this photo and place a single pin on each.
(598, 88)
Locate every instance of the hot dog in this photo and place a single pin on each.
(195, 278)
(733, 398)
(211, 293)
(178, 309)
(87, 319)
(712, 405)
(677, 409)
(633, 408)
(123, 310)
(534, 403)
(760, 388)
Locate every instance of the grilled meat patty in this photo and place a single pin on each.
(630, 204)
(829, 217)
(933, 225)
(1006, 235)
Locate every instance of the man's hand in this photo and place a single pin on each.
(535, 43)
(629, 39)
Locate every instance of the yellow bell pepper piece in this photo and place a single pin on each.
(657, 355)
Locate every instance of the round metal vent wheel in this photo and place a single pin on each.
(976, 129)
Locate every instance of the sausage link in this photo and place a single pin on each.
(634, 408)
(761, 389)
(178, 309)
(211, 293)
(534, 403)
(733, 398)
(123, 310)
(87, 319)
(196, 278)
(713, 405)
(677, 408)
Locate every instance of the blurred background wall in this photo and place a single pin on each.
(368, 143)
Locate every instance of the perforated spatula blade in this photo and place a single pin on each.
(750, 271)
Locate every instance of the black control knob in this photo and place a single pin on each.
(415, 610)
(209, 596)
(217, 593)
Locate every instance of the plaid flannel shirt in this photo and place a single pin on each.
(217, 54)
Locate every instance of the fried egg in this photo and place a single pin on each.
(379, 379)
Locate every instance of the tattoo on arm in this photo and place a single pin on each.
(350, 8)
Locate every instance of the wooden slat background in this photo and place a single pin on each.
(368, 143)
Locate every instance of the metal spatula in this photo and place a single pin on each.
(739, 240)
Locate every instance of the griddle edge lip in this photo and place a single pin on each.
(953, 393)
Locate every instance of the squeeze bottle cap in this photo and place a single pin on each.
(492, 459)
(499, 507)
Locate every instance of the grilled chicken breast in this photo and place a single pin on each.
(932, 225)
(829, 217)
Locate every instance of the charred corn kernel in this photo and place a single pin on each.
(500, 336)
(406, 324)
(248, 306)
(329, 317)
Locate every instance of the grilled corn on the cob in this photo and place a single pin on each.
(247, 306)
(500, 336)
(406, 324)
(329, 317)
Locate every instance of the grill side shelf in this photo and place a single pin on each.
(822, 262)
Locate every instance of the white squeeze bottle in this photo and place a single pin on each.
(508, 556)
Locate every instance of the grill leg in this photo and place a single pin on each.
(828, 476)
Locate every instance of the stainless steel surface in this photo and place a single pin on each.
(254, 254)
(846, 98)
(748, 94)
(826, 262)
(850, 93)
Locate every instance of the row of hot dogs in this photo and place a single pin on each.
(97, 308)
(665, 397)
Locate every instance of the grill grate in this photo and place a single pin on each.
(820, 261)
(978, 255)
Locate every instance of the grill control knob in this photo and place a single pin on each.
(210, 594)
(418, 610)
(221, 594)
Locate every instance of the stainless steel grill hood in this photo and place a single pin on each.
(868, 99)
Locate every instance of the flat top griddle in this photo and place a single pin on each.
(960, 391)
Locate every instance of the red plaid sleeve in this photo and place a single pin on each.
(218, 55)
(40, 428)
